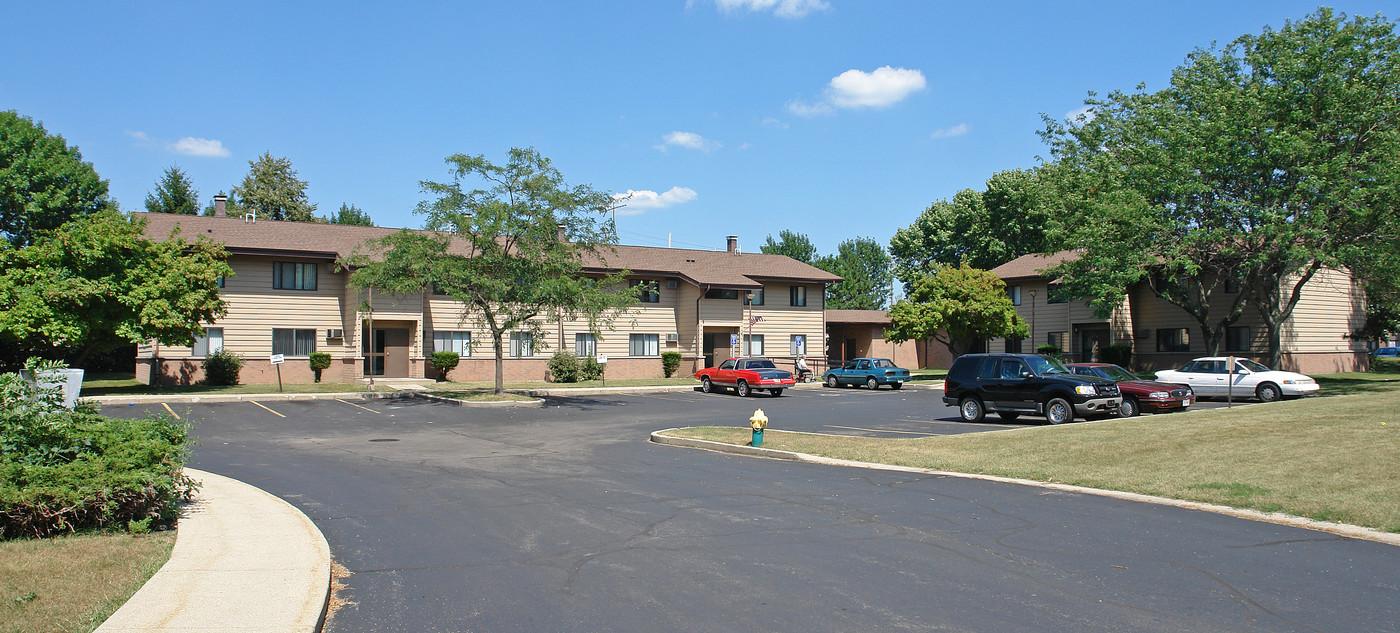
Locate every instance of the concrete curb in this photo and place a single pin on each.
(244, 561)
(470, 403)
(1340, 529)
(244, 397)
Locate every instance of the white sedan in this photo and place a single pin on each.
(1209, 377)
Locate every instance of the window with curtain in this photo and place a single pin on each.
(293, 276)
(644, 344)
(585, 345)
(210, 343)
(753, 345)
(290, 342)
(521, 344)
(453, 341)
(798, 295)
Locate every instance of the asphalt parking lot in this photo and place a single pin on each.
(565, 518)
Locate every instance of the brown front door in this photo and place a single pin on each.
(388, 353)
(1091, 341)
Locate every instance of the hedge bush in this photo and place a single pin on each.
(670, 362)
(64, 471)
(320, 361)
(444, 362)
(222, 367)
(1048, 350)
(1119, 355)
(564, 366)
(591, 369)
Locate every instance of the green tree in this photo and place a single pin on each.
(43, 181)
(351, 214)
(956, 306)
(1260, 164)
(272, 190)
(864, 267)
(500, 252)
(174, 194)
(986, 228)
(97, 283)
(792, 244)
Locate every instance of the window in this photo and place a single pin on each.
(1014, 292)
(521, 344)
(1237, 338)
(721, 293)
(798, 345)
(644, 344)
(293, 276)
(753, 345)
(1173, 340)
(727, 364)
(757, 299)
(650, 293)
(219, 281)
(460, 342)
(293, 342)
(585, 345)
(798, 295)
(1013, 345)
(210, 343)
(1053, 294)
(1059, 339)
(1013, 369)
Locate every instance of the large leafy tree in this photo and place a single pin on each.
(793, 244)
(174, 193)
(956, 306)
(97, 283)
(272, 190)
(864, 267)
(986, 228)
(1262, 163)
(43, 181)
(351, 214)
(513, 253)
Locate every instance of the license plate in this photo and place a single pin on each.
(1186, 402)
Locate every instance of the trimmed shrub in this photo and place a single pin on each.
(1119, 355)
(564, 366)
(222, 367)
(670, 362)
(1048, 350)
(320, 361)
(64, 471)
(444, 362)
(591, 369)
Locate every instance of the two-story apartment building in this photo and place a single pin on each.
(288, 296)
(1315, 339)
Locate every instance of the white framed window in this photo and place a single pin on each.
(585, 345)
(293, 276)
(798, 345)
(644, 344)
(291, 342)
(753, 345)
(453, 341)
(211, 343)
(1014, 293)
(521, 344)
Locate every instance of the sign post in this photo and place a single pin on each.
(603, 360)
(1230, 383)
(277, 360)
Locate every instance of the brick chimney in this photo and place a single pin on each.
(733, 244)
(220, 206)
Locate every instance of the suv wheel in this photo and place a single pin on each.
(971, 410)
(1058, 411)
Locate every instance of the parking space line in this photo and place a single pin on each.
(172, 411)
(270, 410)
(856, 428)
(355, 405)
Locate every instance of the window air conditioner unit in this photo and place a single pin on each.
(672, 337)
(1143, 333)
(335, 335)
(670, 283)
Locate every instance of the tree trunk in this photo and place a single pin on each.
(1275, 311)
(496, 337)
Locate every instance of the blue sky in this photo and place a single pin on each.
(834, 118)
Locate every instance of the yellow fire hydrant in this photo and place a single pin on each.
(758, 422)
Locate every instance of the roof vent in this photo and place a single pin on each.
(250, 217)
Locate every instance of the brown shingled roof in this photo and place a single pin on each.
(1032, 266)
(879, 317)
(718, 269)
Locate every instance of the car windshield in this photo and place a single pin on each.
(881, 363)
(759, 364)
(1042, 366)
(1117, 373)
(1251, 365)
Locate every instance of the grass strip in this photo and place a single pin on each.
(72, 584)
(1329, 458)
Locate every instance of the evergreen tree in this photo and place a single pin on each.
(174, 193)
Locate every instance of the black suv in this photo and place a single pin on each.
(1012, 384)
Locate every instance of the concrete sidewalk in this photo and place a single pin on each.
(244, 561)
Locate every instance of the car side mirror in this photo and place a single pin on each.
(1025, 374)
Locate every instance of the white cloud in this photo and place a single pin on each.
(772, 122)
(948, 132)
(138, 135)
(636, 202)
(790, 9)
(191, 146)
(1080, 116)
(884, 86)
(690, 140)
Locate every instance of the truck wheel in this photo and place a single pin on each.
(743, 389)
(971, 410)
(705, 385)
(1058, 411)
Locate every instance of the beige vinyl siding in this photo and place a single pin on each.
(686, 314)
(659, 318)
(255, 308)
(1331, 307)
(723, 312)
(1043, 317)
(781, 321)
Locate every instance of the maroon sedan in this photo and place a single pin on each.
(1139, 395)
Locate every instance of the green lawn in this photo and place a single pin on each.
(1327, 458)
(71, 584)
(587, 384)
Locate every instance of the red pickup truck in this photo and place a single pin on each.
(745, 375)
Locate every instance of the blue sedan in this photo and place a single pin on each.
(871, 372)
